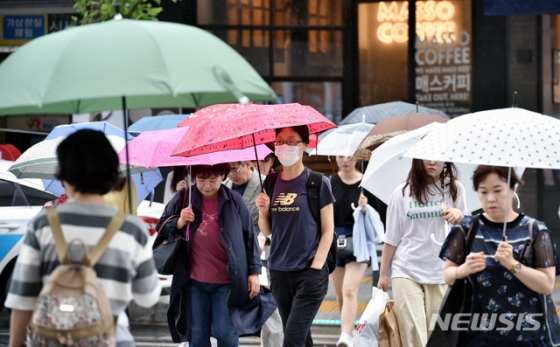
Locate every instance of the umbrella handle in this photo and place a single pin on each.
(434, 240)
(257, 160)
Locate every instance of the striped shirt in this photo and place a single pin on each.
(126, 270)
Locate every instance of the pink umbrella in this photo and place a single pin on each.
(154, 148)
(247, 126)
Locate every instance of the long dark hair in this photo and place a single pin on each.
(179, 174)
(419, 186)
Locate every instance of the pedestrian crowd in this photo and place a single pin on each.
(235, 217)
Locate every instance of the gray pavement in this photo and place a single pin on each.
(150, 328)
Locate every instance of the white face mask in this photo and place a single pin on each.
(287, 155)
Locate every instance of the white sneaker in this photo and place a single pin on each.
(184, 344)
(345, 340)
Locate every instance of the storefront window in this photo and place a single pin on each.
(233, 12)
(308, 53)
(253, 45)
(287, 42)
(307, 13)
(325, 97)
(383, 51)
(442, 54)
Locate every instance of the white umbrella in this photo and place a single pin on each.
(343, 141)
(388, 168)
(511, 137)
(40, 161)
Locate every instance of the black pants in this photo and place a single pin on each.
(299, 295)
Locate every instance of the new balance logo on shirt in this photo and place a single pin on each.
(283, 202)
(285, 199)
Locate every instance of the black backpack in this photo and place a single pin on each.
(314, 184)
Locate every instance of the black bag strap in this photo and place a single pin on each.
(471, 234)
(269, 183)
(314, 184)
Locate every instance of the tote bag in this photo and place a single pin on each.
(166, 249)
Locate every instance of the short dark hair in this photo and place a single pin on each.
(482, 171)
(301, 130)
(88, 162)
(205, 171)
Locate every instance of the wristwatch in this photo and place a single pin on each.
(516, 267)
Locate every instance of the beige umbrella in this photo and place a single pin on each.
(391, 127)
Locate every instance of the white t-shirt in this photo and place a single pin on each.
(409, 225)
(167, 193)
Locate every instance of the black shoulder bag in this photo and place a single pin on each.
(166, 249)
(457, 300)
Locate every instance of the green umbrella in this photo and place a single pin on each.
(126, 64)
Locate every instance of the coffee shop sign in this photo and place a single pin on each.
(433, 20)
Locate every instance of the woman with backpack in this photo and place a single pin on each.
(300, 244)
(89, 168)
(419, 208)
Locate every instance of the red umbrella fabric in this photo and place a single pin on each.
(209, 112)
(247, 126)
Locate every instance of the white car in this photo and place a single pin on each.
(21, 200)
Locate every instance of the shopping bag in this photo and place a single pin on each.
(388, 328)
(367, 331)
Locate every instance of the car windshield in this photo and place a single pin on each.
(13, 194)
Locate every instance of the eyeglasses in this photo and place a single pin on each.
(234, 171)
(288, 142)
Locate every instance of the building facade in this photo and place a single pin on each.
(459, 56)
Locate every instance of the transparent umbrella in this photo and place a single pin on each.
(342, 141)
(375, 113)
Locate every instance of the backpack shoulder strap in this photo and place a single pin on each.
(314, 184)
(62, 246)
(60, 243)
(269, 183)
(472, 233)
(113, 226)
